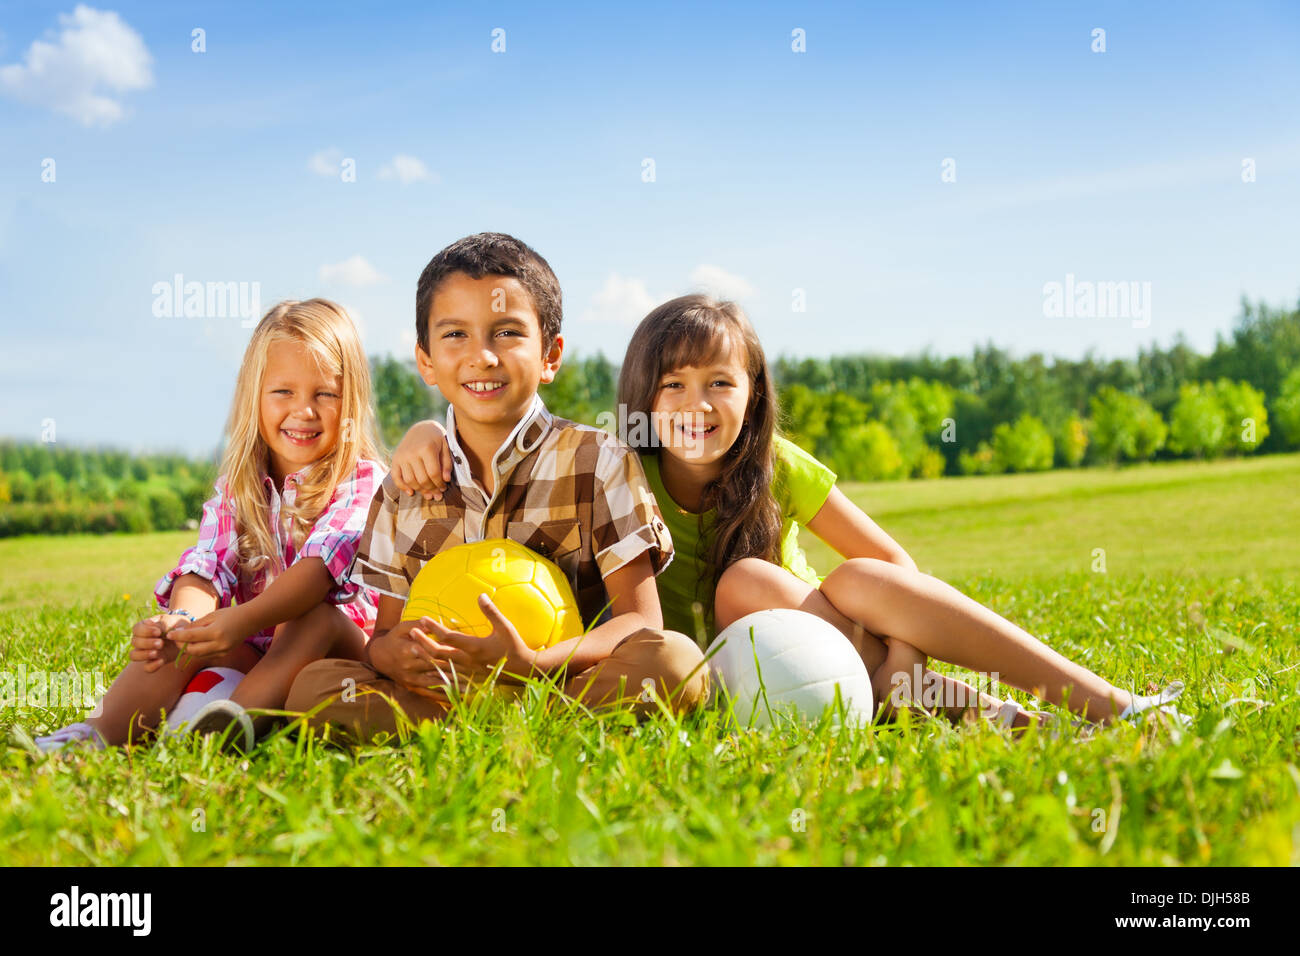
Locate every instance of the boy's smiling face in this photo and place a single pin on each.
(486, 354)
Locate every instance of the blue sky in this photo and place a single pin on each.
(774, 171)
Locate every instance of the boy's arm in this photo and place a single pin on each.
(401, 650)
(634, 604)
(632, 544)
(851, 532)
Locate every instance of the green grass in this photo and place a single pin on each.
(1199, 585)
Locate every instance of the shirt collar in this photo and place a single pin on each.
(291, 480)
(523, 439)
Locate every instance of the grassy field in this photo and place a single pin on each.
(1148, 574)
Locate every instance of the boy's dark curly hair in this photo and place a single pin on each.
(492, 254)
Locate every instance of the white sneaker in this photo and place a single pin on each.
(1161, 702)
(228, 719)
(212, 683)
(74, 735)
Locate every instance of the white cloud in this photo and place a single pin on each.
(355, 271)
(622, 300)
(326, 162)
(719, 282)
(94, 51)
(358, 320)
(406, 170)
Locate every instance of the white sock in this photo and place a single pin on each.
(212, 683)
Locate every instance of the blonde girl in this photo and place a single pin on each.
(734, 494)
(265, 590)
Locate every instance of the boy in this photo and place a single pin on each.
(488, 311)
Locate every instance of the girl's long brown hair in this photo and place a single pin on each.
(693, 330)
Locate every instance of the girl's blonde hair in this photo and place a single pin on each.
(327, 331)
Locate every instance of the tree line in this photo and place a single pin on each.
(869, 417)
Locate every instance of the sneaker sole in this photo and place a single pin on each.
(222, 722)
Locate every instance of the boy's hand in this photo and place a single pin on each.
(406, 655)
(148, 640)
(422, 461)
(477, 657)
(211, 635)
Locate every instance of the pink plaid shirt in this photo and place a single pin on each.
(333, 539)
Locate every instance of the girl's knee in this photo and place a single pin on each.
(857, 573)
(752, 584)
(325, 630)
(747, 572)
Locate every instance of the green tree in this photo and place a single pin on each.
(1265, 346)
(892, 406)
(869, 453)
(98, 488)
(972, 424)
(1071, 441)
(51, 488)
(1197, 424)
(1124, 426)
(401, 398)
(1286, 409)
(166, 509)
(803, 416)
(844, 414)
(1024, 446)
(566, 396)
(981, 461)
(931, 465)
(1245, 415)
(22, 486)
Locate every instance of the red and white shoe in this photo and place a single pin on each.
(213, 683)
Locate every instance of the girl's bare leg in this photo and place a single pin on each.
(132, 706)
(939, 620)
(324, 631)
(755, 585)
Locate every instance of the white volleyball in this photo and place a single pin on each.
(791, 662)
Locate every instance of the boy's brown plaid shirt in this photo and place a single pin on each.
(572, 493)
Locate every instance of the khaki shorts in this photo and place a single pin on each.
(355, 697)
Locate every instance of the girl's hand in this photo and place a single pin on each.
(422, 461)
(477, 657)
(211, 635)
(148, 644)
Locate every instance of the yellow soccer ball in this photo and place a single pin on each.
(529, 590)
